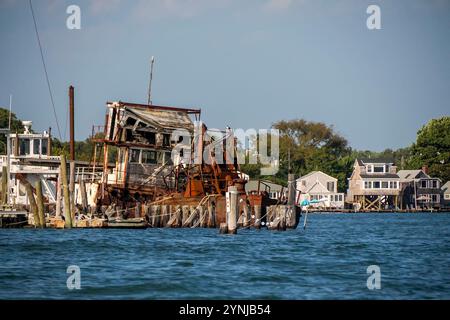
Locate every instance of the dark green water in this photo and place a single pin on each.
(328, 260)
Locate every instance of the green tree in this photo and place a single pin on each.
(432, 148)
(16, 126)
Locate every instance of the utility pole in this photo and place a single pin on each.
(72, 123)
(150, 83)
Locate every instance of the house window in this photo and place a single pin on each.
(423, 183)
(148, 157)
(384, 185)
(434, 198)
(369, 168)
(330, 186)
(378, 169)
(340, 197)
(134, 155)
(376, 184)
(434, 184)
(447, 196)
(367, 184)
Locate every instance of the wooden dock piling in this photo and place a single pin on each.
(40, 203)
(67, 213)
(33, 205)
(257, 209)
(233, 210)
(4, 185)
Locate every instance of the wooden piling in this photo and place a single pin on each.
(72, 188)
(223, 228)
(84, 201)
(58, 195)
(233, 208)
(40, 203)
(4, 185)
(211, 215)
(185, 215)
(257, 209)
(202, 213)
(67, 213)
(33, 205)
(192, 215)
(165, 211)
(291, 212)
(247, 217)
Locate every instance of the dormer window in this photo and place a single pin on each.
(378, 168)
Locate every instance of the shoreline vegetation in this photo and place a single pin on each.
(313, 146)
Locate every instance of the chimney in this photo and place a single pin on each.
(425, 169)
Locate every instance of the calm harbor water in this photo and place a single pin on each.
(328, 260)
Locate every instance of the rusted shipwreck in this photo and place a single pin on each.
(162, 164)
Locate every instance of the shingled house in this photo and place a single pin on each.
(374, 185)
(317, 185)
(419, 190)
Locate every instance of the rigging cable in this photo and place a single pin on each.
(45, 70)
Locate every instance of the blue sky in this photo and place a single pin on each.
(245, 63)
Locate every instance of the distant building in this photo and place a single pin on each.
(374, 185)
(419, 190)
(446, 194)
(317, 185)
(275, 191)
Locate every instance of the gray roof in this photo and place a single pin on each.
(252, 185)
(363, 161)
(446, 187)
(380, 176)
(409, 175)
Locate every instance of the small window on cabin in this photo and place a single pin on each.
(385, 185)
(166, 140)
(378, 169)
(36, 145)
(130, 122)
(24, 148)
(134, 155)
(423, 183)
(168, 158)
(148, 157)
(376, 184)
(151, 138)
(44, 145)
(434, 184)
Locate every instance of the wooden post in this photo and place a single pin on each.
(83, 192)
(257, 209)
(164, 215)
(211, 215)
(33, 206)
(291, 212)
(4, 185)
(58, 194)
(233, 209)
(247, 217)
(67, 214)
(40, 203)
(202, 214)
(185, 215)
(72, 189)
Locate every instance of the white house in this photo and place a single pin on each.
(317, 185)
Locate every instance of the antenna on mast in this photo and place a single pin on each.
(150, 83)
(10, 108)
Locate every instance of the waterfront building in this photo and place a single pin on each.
(374, 185)
(419, 190)
(317, 185)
